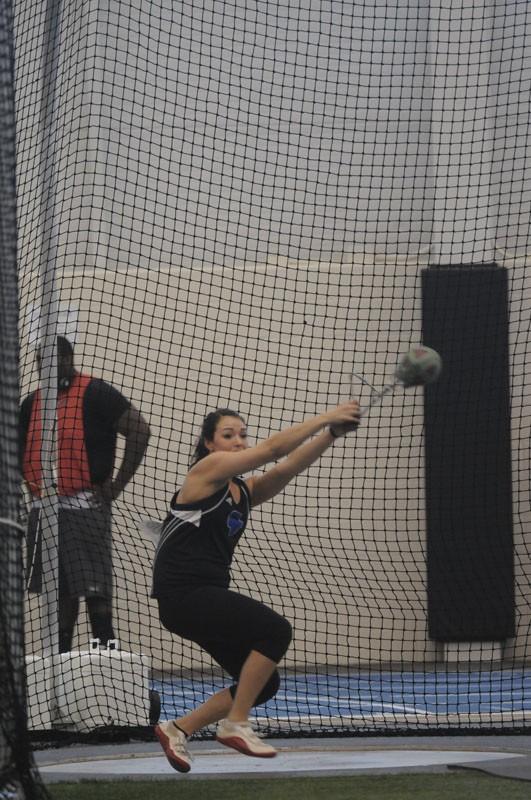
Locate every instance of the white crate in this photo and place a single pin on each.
(95, 688)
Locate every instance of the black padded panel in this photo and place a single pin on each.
(468, 455)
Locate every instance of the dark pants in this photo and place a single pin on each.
(85, 569)
(228, 626)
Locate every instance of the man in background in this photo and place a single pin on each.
(90, 415)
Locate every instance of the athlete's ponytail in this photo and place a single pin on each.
(208, 429)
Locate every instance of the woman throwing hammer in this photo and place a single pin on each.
(191, 574)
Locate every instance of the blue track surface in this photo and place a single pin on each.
(366, 693)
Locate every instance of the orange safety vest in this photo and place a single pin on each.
(73, 467)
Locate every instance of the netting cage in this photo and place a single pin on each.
(261, 206)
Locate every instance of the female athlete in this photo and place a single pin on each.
(191, 573)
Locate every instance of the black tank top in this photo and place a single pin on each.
(197, 542)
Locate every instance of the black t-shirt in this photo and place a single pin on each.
(197, 542)
(103, 405)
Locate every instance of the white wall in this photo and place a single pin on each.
(301, 174)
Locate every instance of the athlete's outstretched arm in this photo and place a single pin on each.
(264, 487)
(218, 467)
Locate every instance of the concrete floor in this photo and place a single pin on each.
(507, 756)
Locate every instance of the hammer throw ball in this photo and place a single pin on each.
(419, 366)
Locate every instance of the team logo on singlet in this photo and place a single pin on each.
(234, 523)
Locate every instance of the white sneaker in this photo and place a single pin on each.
(241, 737)
(173, 743)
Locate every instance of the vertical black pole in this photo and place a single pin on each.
(17, 770)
